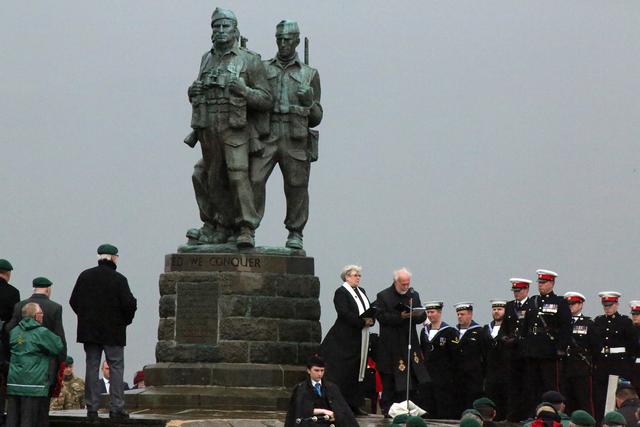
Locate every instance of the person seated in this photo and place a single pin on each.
(614, 419)
(316, 401)
(104, 381)
(581, 418)
(72, 392)
(628, 403)
(138, 380)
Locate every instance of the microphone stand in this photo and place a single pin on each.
(409, 350)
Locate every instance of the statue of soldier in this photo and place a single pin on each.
(291, 144)
(227, 97)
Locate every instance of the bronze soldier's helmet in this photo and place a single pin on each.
(220, 13)
(287, 27)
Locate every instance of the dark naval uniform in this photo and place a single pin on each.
(440, 352)
(471, 364)
(616, 346)
(576, 373)
(393, 343)
(511, 331)
(497, 377)
(304, 400)
(635, 368)
(546, 333)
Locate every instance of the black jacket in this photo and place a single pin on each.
(614, 332)
(497, 356)
(302, 402)
(9, 297)
(547, 326)
(104, 304)
(511, 328)
(582, 348)
(440, 353)
(393, 342)
(52, 319)
(341, 346)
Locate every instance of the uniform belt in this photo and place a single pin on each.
(637, 359)
(613, 350)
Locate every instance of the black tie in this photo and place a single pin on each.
(518, 305)
(360, 297)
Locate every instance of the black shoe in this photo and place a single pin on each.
(386, 415)
(120, 415)
(358, 412)
(92, 415)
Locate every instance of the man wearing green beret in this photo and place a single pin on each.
(614, 419)
(581, 418)
(52, 320)
(105, 306)
(72, 392)
(9, 296)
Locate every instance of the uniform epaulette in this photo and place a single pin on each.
(250, 52)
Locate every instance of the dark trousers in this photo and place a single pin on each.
(437, 399)
(517, 406)
(577, 390)
(390, 395)
(542, 375)
(497, 389)
(115, 359)
(26, 411)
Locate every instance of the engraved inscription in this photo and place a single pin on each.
(197, 313)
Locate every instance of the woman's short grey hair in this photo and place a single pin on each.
(348, 269)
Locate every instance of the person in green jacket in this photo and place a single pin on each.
(32, 347)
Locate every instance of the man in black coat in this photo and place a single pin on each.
(497, 378)
(9, 297)
(392, 311)
(316, 401)
(439, 343)
(576, 373)
(546, 333)
(471, 356)
(635, 369)
(615, 350)
(105, 306)
(510, 330)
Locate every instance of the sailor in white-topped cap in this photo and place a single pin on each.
(635, 312)
(546, 332)
(511, 330)
(439, 343)
(616, 346)
(472, 356)
(496, 383)
(575, 382)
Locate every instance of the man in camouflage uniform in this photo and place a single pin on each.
(296, 91)
(72, 392)
(230, 90)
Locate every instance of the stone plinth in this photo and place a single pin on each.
(238, 323)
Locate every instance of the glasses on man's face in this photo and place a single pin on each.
(356, 275)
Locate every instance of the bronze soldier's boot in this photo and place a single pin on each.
(294, 240)
(245, 238)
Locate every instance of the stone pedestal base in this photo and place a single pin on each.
(235, 331)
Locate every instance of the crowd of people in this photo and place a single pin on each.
(534, 344)
(36, 373)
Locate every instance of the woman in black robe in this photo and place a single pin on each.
(348, 339)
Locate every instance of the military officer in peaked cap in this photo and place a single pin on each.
(471, 356)
(546, 332)
(511, 335)
(635, 369)
(439, 343)
(616, 346)
(497, 378)
(576, 372)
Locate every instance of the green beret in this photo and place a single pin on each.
(41, 282)
(107, 249)
(414, 421)
(582, 418)
(472, 411)
(614, 418)
(68, 361)
(5, 265)
(484, 401)
(470, 422)
(400, 419)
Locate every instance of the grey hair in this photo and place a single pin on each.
(29, 310)
(398, 272)
(108, 257)
(348, 269)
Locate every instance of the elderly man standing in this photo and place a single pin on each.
(9, 296)
(32, 348)
(105, 306)
(396, 322)
(296, 90)
(227, 98)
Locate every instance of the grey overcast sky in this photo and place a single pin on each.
(469, 141)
